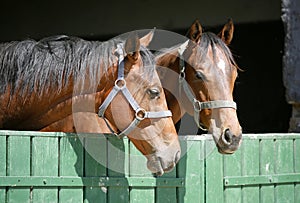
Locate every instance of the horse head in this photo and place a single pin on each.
(61, 81)
(139, 97)
(211, 71)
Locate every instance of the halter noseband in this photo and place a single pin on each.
(198, 105)
(120, 86)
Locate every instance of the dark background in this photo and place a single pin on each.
(258, 43)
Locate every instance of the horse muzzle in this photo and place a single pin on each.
(228, 142)
(162, 163)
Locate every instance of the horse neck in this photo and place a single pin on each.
(46, 107)
(169, 69)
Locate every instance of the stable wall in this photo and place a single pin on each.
(36, 19)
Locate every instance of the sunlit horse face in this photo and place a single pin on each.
(211, 72)
(155, 138)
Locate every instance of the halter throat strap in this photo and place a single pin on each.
(197, 105)
(120, 86)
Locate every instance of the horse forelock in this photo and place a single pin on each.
(30, 65)
(210, 40)
(148, 63)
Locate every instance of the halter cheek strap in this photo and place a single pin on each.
(198, 105)
(120, 86)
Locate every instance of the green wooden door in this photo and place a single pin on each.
(266, 169)
(59, 167)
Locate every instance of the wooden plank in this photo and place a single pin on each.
(18, 164)
(267, 167)
(138, 168)
(297, 167)
(117, 158)
(77, 181)
(283, 164)
(191, 167)
(166, 194)
(95, 166)
(136, 158)
(71, 164)
(262, 179)
(250, 166)
(232, 167)
(2, 166)
(142, 195)
(214, 174)
(182, 167)
(45, 163)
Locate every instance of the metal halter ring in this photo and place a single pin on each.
(140, 114)
(197, 105)
(120, 83)
(182, 75)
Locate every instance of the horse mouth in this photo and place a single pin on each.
(158, 166)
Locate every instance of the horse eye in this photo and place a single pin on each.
(199, 75)
(153, 92)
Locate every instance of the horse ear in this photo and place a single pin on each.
(195, 31)
(145, 41)
(132, 45)
(226, 33)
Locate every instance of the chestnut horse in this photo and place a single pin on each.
(46, 81)
(205, 73)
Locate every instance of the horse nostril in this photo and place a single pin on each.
(177, 157)
(229, 143)
(228, 137)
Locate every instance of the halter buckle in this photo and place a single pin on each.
(197, 105)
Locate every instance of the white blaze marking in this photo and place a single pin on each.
(221, 65)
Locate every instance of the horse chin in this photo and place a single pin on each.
(220, 150)
(156, 166)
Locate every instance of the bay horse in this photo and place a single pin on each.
(205, 73)
(107, 85)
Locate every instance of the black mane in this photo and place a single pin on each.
(31, 65)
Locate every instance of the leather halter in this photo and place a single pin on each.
(120, 86)
(198, 105)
